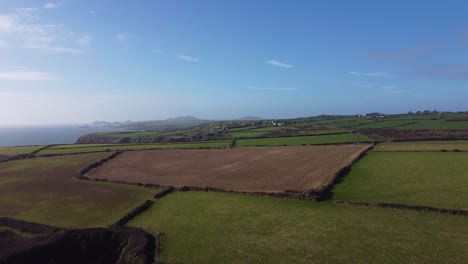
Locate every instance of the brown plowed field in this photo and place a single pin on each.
(272, 169)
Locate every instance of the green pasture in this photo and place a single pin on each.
(303, 140)
(13, 151)
(438, 125)
(454, 145)
(209, 227)
(438, 179)
(384, 124)
(99, 148)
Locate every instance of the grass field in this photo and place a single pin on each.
(384, 124)
(44, 190)
(68, 149)
(144, 133)
(423, 146)
(13, 151)
(246, 134)
(302, 140)
(438, 125)
(417, 178)
(207, 227)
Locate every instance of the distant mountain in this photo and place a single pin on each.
(105, 124)
(251, 118)
(183, 118)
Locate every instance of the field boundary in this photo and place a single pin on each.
(315, 194)
(129, 216)
(420, 208)
(28, 227)
(99, 163)
(325, 192)
(38, 150)
(319, 144)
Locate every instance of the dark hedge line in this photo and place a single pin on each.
(141, 208)
(28, 227)
(99, 163)
(164, 192)
(408, 207)
(325, 192)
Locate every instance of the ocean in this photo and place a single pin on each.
(46, 135)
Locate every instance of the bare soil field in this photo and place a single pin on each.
(272, 169)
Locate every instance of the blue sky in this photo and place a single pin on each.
(79, 61)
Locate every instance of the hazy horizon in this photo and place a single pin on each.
(75, 62)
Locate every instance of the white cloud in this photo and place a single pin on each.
(120, 37)
(272, 88)
(52, 5)
(26, 76)
(188, 58)
(374, 74)
(21, 29)
(85, 41)
(280, 64)
(3, 44)
(7, 23)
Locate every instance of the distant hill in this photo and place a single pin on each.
(183, 118)
(251, 118)
(109, 124)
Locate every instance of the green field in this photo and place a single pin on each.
(44, 190)
(423, 146)
(302, 140)
(144, 133)
(13, 151)
(384, 124)
(246, 134)
(438, 125)
(208, 227)
(438, 179)
(69, 149)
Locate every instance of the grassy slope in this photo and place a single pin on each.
(423, 146)
(207, 227)
(432, 178)
(43, 190)
(97, 148)
(308, 140)
(12, 151)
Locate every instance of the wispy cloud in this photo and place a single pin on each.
(279, 64)
(3, 44)
(26, 76)
(13, 67)
(121, 37)
(188, 58)
(374, 74)
(84, 41)
(52, 5)
(92, 12)
(22, 29)
(272, 88)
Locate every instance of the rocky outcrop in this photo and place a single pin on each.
(120, 245)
